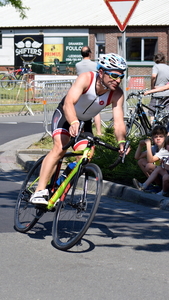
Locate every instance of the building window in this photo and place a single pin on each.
(140, 49)
(100, 44)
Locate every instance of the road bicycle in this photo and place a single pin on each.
(13, 77)
(74, 202)
(137, 122)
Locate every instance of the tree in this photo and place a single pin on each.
(17, 4)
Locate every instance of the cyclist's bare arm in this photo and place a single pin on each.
(118, 116)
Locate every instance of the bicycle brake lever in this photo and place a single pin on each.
(80, 130)
(125, 150)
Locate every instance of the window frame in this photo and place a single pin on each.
(142, 62)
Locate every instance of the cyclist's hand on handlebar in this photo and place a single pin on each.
(74, 128)
(124, 148)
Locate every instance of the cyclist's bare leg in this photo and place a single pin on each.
(51, 160)
(81, 147)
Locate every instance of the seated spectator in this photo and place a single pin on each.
(147, 160)
(162, 170)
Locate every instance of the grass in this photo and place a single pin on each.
(14, 100)
(44, 143)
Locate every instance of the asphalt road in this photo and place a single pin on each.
(123, 256)
(18, 126)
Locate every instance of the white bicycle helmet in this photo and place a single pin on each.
(111, 61)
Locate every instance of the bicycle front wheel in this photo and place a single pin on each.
(8, 82)
(133, 130)
(27, 214)
(75, 213)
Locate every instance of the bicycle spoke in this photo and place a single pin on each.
(74, 215)
(26, 213)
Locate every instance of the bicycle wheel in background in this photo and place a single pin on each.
(27, 214)
(8, 82)
(165, 121)
(135, 130)
(75, 213)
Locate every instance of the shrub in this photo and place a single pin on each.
(124, 172)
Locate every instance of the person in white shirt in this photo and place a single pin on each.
(87, 65)
(88, 95)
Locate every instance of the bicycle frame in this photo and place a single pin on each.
(143, 118)
(59, 192)
(140, 114)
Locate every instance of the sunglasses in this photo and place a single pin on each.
(114, 76)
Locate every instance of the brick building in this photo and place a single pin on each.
(55, 30)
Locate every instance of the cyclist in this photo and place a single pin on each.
(89, 94)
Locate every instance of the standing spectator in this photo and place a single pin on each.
(86, 65)
(160, 77)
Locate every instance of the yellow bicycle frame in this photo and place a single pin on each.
(56, 196)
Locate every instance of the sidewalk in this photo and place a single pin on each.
(15, 155)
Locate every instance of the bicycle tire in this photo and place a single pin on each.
(8, 82)
(164, 121)
(135, 131)
(26, 214)
(75, 213)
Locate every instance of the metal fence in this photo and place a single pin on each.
(135, 83)
(42, 95)
(53, 93)
(12, 93)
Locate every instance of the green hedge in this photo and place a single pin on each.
(124, 172)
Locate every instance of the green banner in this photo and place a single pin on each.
(72, 48)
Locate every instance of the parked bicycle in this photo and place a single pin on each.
(73, 201)
(137, 122)
(14, 76)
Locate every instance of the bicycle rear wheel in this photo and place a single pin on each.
(136, 130)
(165, 121)
(26, 214)
(8, 82)
(75, 213)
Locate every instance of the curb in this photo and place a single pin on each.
(26, 159)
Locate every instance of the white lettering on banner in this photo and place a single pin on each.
(75, 48)
(75, 43)
(29, 51)
(28, 48)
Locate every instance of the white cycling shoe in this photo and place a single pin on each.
(40, 197)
